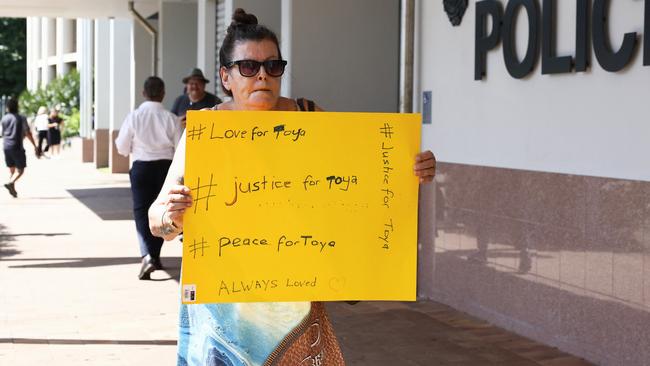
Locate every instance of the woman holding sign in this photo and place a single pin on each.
(285, 333)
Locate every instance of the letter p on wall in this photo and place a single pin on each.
(486, 41)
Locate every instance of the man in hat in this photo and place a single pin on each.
(195, 96)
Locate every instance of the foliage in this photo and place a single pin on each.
(62, 92)
(71, 127)
(13, 55)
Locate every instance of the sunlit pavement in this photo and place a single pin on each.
(69, 292)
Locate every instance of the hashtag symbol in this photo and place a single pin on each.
(196, 132)
(202, 188)
(195, 247)
(387, 130)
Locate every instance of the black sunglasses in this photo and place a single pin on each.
(250, 68)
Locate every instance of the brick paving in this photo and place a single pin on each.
(69, 294)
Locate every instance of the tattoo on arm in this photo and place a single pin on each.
(180, 179)
(154, 223)
(156, 231)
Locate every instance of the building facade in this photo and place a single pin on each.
(542, 202)
(51, 49)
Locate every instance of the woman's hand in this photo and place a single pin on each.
(166, 214)
(425, 166)
(177, 200)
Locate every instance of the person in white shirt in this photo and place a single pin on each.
(40, 124)
(150, 134)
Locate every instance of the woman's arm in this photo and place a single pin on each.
(166, 213)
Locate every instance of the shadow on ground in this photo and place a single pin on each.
(172, 264)
(87, 341)
(113, 203)
(32, 234)
(6, 248)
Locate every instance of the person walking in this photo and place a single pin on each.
(41, 127)
(150, 134)
(55, 125)
(195, 96)
(14, 130)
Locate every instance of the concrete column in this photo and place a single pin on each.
(206, 40)
(36, 51)
(60, 68)
(30, 57)
(64, 44)
(31, 41)
(85, 66)
(120, 87)
(102, 91)
(177, 24)
(48, 45)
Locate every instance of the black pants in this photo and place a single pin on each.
(147, 178)
(42, 135)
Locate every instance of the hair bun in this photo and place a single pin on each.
(240, 17)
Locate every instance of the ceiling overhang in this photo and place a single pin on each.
(76, 8)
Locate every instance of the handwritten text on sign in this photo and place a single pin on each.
(292, 206)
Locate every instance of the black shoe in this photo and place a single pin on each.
(157, 264)
(146, 268)
(12, 190)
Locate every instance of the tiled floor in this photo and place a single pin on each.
(429, 333)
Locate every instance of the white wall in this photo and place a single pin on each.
(120, 60)
(593, 123)
(142, 64)
(267, 12)
(177, 24)
(345, 54)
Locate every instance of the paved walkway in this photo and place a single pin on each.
(69, 294)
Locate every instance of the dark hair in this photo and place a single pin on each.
(244, 27)
(154, 87)
(12, 105)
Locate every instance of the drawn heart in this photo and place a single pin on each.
(337, 283)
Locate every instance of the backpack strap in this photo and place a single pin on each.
(306, 105)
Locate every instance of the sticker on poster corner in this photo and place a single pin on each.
(189, 293)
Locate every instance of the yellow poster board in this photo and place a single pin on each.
(295, 206)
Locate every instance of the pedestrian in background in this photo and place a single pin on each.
(41, 122)
(195, 96)
(150, 134)
(55, 125)
(14, 130)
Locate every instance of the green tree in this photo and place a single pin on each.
(13, 55)
(61, 93)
